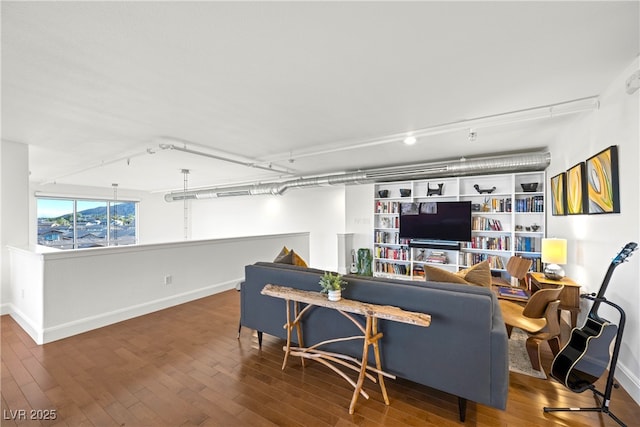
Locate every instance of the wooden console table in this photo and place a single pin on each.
(370, 334)
(569, 297)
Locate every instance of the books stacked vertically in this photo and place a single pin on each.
(500, 205)
(392, 268)
(528, 244)
(480, 223)
(501, 243)
(392, 253)
(469, 259)
(530, 204)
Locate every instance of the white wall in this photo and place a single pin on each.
(63, 293)
(14, 208)
(319, 211)
(359, 214)
(593, 240)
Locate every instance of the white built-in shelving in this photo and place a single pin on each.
(508, 221)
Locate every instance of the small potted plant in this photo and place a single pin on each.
(332, 285)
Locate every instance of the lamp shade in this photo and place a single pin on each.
(554, 251)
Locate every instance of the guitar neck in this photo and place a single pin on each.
(593, 313)
(621, 257)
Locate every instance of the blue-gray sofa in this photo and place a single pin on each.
(464, 352)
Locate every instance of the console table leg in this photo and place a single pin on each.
(376, 352)
(289, 325)
(296, 314)
(363, 367)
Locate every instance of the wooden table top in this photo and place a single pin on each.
(540, 278)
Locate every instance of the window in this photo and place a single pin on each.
(84, 223)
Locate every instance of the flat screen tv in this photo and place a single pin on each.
(450, 221)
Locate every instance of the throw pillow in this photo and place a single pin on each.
(436, 274)
(282, 253)
(297, 259)
(291, 258)
(478, 274)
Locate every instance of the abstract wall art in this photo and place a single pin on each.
(559, 194)
(603, 182)
(576, 190)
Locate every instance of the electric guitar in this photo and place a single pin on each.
(586, 356)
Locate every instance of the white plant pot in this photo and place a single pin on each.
(335, 295)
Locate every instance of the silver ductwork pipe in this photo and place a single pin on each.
(464, 167)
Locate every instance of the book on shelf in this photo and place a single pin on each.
(418, 271)
(438, 257)
(513, 292)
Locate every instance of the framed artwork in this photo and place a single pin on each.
(576, 190)
(603, 189)
(559, 194)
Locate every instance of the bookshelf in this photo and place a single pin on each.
(508, 221)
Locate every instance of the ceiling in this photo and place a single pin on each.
(95, 88)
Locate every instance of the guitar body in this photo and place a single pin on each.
(586, 356)
(354, 268)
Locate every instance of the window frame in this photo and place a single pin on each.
(76, 244)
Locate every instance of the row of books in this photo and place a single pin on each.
(387, 207)
(391, 268)
(480, 223)
(530, 204)
(528, 244)
(389, 222)
(392, 253)
(500, 243)
(500, 205)
(495, 262)
(536, 264)
(387, 237)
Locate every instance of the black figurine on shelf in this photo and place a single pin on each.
(484, 190)
(435, 191)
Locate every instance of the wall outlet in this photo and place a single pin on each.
(168, 279)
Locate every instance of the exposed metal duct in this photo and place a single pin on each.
(463, 167)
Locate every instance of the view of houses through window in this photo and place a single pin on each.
(74, 224)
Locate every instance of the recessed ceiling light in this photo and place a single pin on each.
(410, 140)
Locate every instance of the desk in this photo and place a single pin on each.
(569, 297)
(370, 334)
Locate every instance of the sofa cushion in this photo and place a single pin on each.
(478, 274)
(436, 274)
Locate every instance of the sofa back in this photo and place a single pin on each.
(463, 351)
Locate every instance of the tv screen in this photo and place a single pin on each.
(449, 221)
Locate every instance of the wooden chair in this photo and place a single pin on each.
(516, 267)
(538, 318)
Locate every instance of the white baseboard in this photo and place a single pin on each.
(628, 381)
(26, 323)
(5, 309)
(79, 326)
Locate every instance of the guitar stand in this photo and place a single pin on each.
(604, 404)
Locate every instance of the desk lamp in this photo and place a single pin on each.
(554, 252)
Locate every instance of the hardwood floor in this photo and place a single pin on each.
(184, 367)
